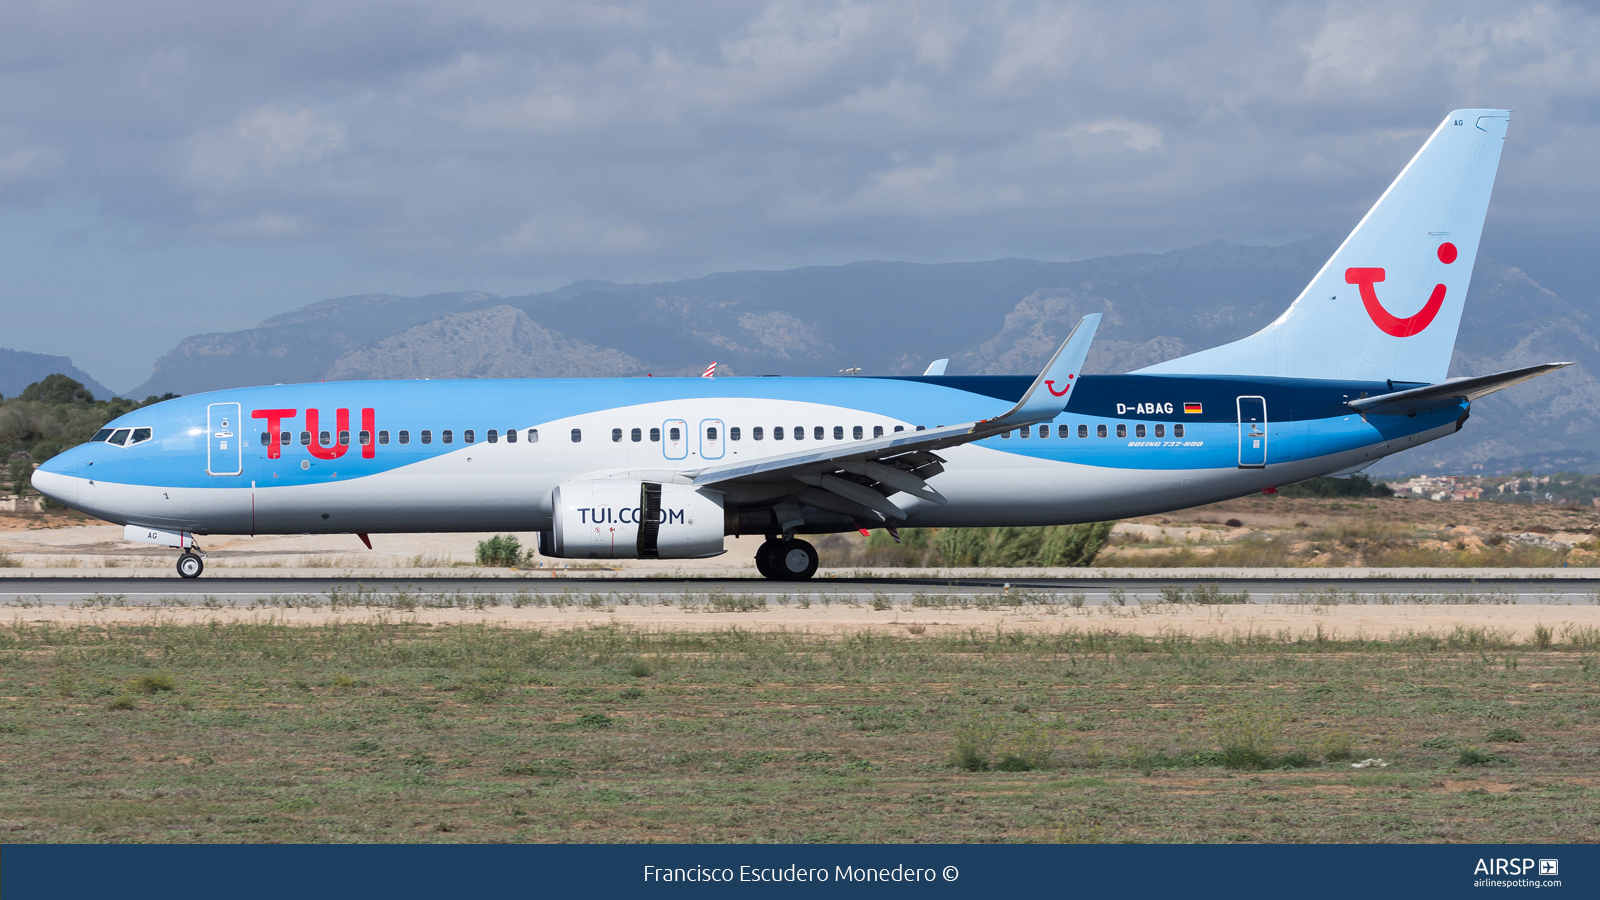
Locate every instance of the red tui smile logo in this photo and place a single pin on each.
(1389, 323)
(1051, 387)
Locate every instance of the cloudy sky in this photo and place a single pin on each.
(174, 168)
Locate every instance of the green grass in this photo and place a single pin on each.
(385, 731)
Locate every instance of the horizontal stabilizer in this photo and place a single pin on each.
(1449, 392)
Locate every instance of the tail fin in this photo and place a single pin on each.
(1387, 305)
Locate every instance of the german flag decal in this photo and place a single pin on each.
(1191, 409)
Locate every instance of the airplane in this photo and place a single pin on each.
(666, 468)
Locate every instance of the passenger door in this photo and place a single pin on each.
(224, 440)
(712, 434)
(675, 438)
(1252, 432)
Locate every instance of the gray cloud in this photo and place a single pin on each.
(173, 168)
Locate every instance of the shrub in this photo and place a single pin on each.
(1294, 759)
(1336, 747)
(641, 669)
(1247, 738)
(500, 550)
(123, 701)
(1472, 756)
(7, 561)
(593, 720)
(1506, 735)
(1354, 486)
(1543, 636)
(150, 684)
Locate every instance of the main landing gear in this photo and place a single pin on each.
(191, 563)
(786, 560)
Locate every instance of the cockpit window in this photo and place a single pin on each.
(119, 437)
(100, 435)
(140, 435)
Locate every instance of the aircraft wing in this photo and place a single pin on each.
(1448, 392)
(904, 460)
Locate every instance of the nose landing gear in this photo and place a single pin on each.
(786, 560)
(191, 563)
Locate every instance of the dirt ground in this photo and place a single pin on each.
(695, 613)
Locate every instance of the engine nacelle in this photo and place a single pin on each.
(617, 519)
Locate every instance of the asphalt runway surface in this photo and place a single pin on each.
(248, 591)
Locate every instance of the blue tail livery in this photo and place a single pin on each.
(1353, 371)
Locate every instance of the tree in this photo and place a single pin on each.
(57, 389)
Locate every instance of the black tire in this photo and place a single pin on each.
(796, 560)
(190, 566)
(764, 559)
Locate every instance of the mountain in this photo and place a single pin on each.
(19, 368)
(1000, 316)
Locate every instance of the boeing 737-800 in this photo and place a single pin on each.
(665, 468)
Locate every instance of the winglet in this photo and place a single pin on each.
(1049, 394)
(936, 367)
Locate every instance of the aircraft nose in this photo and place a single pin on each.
(56, 485)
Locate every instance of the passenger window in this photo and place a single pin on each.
(757, 433)
(856, 433)
(344, 438)
(577, 435)
(266, 438)
(494, 436)
(427, 436)
(533, 435)
(468, 436)
(1161, 431)
(818, 432)
(1083, 430)
(733, 433)
(364, 437)
(1122, 430)
(922, 428)
(655, 435)
(877, 431)
(637, 435)
(1138, 430)
(325, 439)
(405, 437)
(674, 434)
(284, 439)
(800, 433)
(305, 438)
(447, 436)
(777, 433)
(1177, 431)
(511, 435)
(1006, 435)
(616, 435)
(899, 428)
(1025, 431)
(711, 434)
(838, 432)
(1065, 431)
(100, 435)
(1100, 430)
(383, 437)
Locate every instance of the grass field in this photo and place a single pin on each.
(387, 731)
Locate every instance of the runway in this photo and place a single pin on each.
(248, 591)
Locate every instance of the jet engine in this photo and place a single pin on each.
(617, 519)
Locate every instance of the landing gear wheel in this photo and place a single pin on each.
(190, 566)
(795, 560)
(764, 558)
